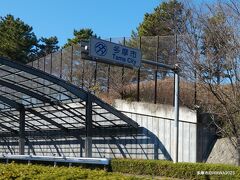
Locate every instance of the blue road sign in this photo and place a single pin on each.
(115, 53)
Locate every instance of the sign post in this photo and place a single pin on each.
(176, 115)
(176, 71)
(115, 53)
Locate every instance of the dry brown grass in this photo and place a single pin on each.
(165, 93)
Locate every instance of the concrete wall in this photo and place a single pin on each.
(223, 152)
(158, 121)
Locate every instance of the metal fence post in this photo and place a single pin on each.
(44, 63)
(22, 132)
(71, 70)
(61, 64)
(156, 72)
(83, 66)
(51, 63)
(95, 74)
(108, 79)
(108, 75)
(122, 91)
(138, 79)
(95, 77)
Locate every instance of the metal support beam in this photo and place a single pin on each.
(25, 91)
(176, 116)
(173, 68)
(88, 138)
(21, 131)
(49, 120)
(11, 103)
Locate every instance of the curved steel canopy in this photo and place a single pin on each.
(53, 106)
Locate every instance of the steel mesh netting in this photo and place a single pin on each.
(77, 66)
(56, 62)
(147, 77)
(41, 63)
(67, 63)
(121, 82)
(167, 49)
(101, 80)
(48, 63)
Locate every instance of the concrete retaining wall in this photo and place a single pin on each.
(223, 152)
(158, 120)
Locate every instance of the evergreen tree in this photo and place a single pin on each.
(48, 45)
(167, 19)
(18, 42)
(82, 34)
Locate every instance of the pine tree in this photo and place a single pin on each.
(18, 42)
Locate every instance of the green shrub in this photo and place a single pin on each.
(178, 170)
(24, 171)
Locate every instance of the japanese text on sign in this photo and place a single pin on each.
(115, 52)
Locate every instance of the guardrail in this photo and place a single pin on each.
(55, 160)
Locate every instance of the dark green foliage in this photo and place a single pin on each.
(167, 19)
(82, 34)
(48, 45)
(18, 42)
(169, 169)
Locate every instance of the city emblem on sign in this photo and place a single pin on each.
(101, 49)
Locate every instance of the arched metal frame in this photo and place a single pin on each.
(36, 104)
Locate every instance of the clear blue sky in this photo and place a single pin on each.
(107, 18)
